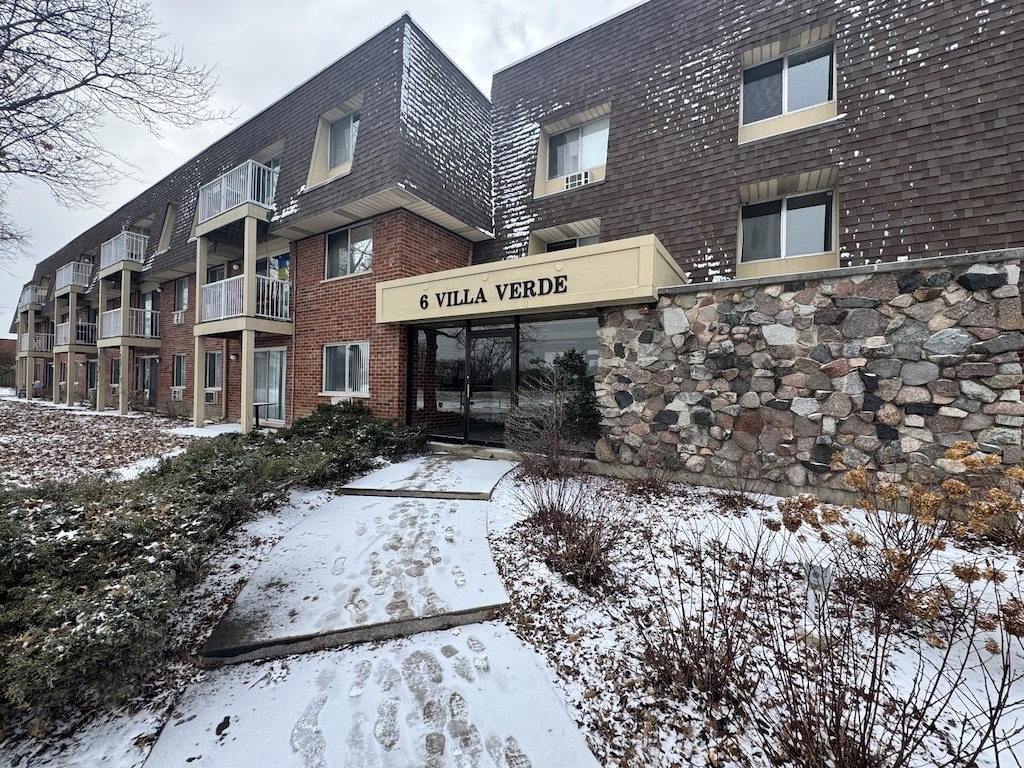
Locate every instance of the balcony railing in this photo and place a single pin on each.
(224, 298)
(250, 182)
(85, 333)
(273, 298)
(37, 342)
(142, 324)
(127, 246)
(32, 294)
(75, 273)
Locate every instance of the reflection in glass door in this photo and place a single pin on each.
(490, 385)
(269, 384)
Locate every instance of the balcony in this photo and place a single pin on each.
(85, 334)
(32, 294)
(127, 246)
(36, 342)
(224, 298)
(75, 274)
(142, 324)
(250, 182)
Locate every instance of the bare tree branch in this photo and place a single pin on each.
(65, 65)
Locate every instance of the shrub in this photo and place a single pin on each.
(896, 601)
(700, 633)
(89, 572)
(579, 536)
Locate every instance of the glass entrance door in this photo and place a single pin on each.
(269, 384)
(145, 379)
(489, 385)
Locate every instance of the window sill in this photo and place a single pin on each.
(321, 179)
(346, 277)
(788, 265)
(359, 395)
(793, 121)
(557, 186)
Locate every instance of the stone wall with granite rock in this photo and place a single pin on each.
(797, 381)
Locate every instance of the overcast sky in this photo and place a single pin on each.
(264, 48)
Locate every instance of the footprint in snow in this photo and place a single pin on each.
(385, 730)
(307, 740)
(363, 670)
(423, 673)
(360, 529)
(339, 566)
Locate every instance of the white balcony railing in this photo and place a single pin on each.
(37, 342)
(250, 182)
(32, 294)
(127, 246)
(273, 298)
(75, 273)
(85, 333)
(142, 324)
(224, 298)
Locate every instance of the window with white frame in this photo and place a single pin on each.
(349, 251)
(347, 368)
(214, 370)
(578, 149)
(796, 81)
(798, 225)
(342, 135)
(216, 274)
(178, 371)
(115, 372)
(181, 294)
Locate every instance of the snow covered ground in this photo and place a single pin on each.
(42, 442)
(593, 642)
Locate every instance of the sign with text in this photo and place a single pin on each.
(607, 274)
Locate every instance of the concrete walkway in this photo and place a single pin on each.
(400, 573)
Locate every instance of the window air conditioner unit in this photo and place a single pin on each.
(178, 317)
(211, 397)
(574, 180)
(176, 394)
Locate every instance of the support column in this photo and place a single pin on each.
(72, 373)
(124, 383)
(199, 362)
(126, 301)
(102, 378)
(249, 268)
(248, 379)
(55, 384)
(199, 383)
(202, 264)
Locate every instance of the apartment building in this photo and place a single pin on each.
(785, 236)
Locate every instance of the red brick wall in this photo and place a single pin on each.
(344, 310)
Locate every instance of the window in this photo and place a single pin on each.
(793, 226)
(178, 374)
(578, 149)
(572, 242)
(216, 274)
(346, 368)
(181, 294)
(115, 372)
(349, 251)
(343, 140)
(214, 369)
(796, 81)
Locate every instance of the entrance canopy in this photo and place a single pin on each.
(606, 274)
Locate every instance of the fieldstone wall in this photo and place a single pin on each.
(795, 382)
